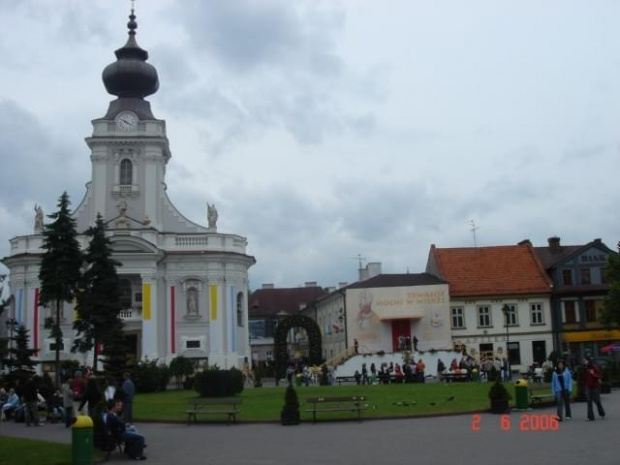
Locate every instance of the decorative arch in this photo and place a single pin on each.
(314, 340)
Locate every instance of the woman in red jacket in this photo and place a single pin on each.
(592, 382)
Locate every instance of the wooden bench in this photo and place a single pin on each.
(538, 398)
(336, 404)
(345, 379)
(213, 406)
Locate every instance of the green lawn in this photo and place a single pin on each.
(33, 452)
(384, 400)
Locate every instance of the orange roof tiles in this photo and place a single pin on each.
(490, 271)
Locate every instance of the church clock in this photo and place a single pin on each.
(126, 121)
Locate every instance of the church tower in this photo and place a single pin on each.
(184, 285)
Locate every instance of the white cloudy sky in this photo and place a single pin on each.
(324, 129)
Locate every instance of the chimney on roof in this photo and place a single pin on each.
(525, 242)
(268, 286)
(310, 283)
(330, 289)
(554, 243)
(370, 271)
(598, 240)
(342, 284)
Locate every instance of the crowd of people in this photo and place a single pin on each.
(80, 393)
(470, 369)
(409, 372)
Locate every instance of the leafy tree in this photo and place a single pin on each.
(20, 363)
(98, 302)
(60, 270)
(611, 313)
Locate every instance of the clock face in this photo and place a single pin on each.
(126, 121)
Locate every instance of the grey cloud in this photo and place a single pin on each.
(585, 154)
(246, 34)
(32, 162)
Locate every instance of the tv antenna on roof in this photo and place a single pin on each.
(359, 258)
(473, 230)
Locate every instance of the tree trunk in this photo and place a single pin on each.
(95, 347)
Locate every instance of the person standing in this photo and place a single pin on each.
(78, 387)
(562, 385)
(67, 400)
(31, 401)
(593, 377)
(130, 391)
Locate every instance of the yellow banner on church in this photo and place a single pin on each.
(213, 295)
(146, 301)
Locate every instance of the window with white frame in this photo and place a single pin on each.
(193, 344)
(512, 316)
(484, 316)
(458, 317)
(537, 316)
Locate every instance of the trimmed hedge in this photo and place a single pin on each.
(215, 382)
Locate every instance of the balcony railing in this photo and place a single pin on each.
(131, 314)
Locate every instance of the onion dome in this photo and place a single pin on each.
(130, 76)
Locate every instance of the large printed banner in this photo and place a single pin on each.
(371, 311)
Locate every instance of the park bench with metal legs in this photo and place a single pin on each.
(336, 404)
(213, 406)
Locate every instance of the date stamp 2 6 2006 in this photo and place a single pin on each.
(526, 422)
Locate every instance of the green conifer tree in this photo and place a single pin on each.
(98, 302)
(21, 365)
(60, 270)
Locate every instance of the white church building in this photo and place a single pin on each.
(184, 285)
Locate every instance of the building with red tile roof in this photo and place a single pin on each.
(492, 286)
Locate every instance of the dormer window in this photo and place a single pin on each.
(126, 173)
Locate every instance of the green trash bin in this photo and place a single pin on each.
(82, 441)
(522, 401)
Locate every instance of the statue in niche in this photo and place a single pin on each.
(192, 301)
(212, 216)
(38, 218)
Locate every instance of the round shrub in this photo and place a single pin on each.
(215, 382)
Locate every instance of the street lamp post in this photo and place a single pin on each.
(11, 323)
(506, 310)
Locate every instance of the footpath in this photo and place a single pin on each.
(438, 440)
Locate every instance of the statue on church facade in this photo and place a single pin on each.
(212, 216)
(121, 220)
(38, 219)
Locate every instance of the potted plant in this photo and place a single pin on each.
(290, 411)
(499, 396)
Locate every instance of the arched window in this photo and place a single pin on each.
(126, 173)
(240, 309)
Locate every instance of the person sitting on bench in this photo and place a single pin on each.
(134, 442)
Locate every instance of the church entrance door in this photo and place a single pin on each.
(400, 329)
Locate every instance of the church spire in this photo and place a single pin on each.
(130, 77)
